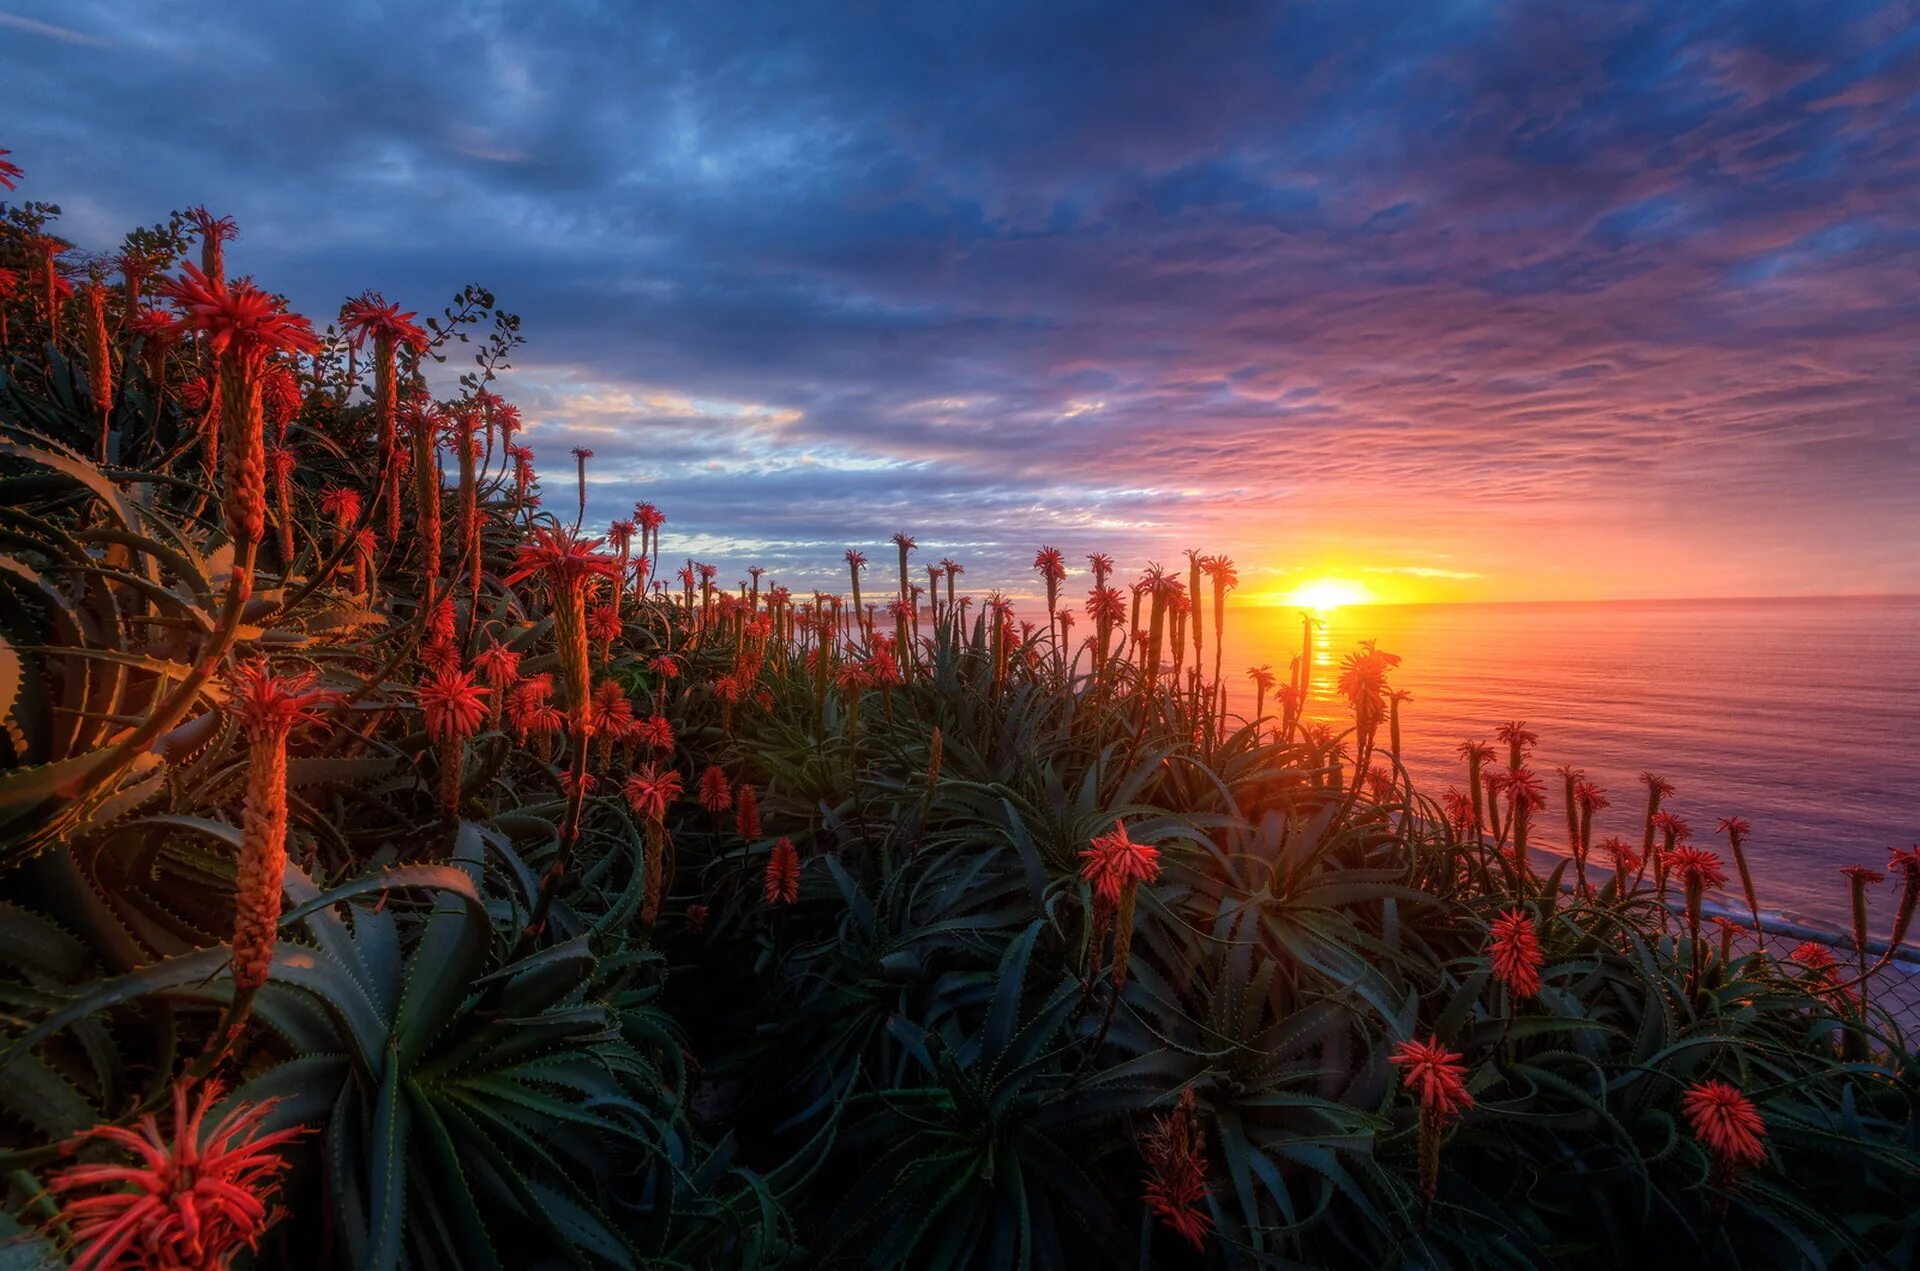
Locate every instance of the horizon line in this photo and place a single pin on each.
(1599, 600)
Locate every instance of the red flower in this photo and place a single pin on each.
(369, 314)
(1176, 1153)
(746, 812)
(1674, 828)
(244, 327)
(1813, 955)
(1459, 810)
(649, 793)
(161, 330)
(238, 319)
(603, 623)
(10, 172)
(1515, 953)
(1106, 605)
(1475, 751)
(716, 792)
(1516, 736)
(1435, 1075)
(268, 705)
(453, 703)
(1050, 565)
(1520, 784)
(439, 653)
(697, 917)
(612, 713)
(498, 665)
(1114, 861)
(280, 394)
(565, 560)
(1727, 1122)
(214, 229)
(1625, 860)
(1820, 962)
(1695, 867)
(342, 505)
(783, 873)
(1363, 680)
(440, 621)
(190, 1202)
(654, 732)
(531, 711)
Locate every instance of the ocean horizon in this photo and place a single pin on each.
(1796, 713)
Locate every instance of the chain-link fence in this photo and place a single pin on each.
(1891, 993)
(1892, 989)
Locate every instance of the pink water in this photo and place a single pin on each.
(1803, 716)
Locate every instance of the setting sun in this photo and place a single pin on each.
(1329, 593)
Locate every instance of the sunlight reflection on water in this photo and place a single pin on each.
(1801, 715)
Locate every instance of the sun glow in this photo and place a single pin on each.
(1329, 593)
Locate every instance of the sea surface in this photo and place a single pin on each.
(1801, 715)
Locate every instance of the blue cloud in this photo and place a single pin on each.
(1245, 276)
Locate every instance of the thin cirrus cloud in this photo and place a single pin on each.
(1479, 301)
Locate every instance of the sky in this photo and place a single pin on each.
(1454, 301)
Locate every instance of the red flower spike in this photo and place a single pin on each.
(1515, 953)
(1175, 1149)
(369, 315)
(746, 812)
(238, 319)
(649, 793)
(1727, 1123)
(190, 1200)
(716, 792)
(783, 873)
(1435, 1075)
(564, 560)
(453, 703)
(1696, 867)
(1113, 861)
(498, 665)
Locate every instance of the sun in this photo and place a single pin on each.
(1329, 593)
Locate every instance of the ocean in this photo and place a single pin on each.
(1801, 715)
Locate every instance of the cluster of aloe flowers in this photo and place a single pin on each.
(1000, 934)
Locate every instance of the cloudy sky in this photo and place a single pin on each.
(1457, 300)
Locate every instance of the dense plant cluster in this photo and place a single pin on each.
(397, 875)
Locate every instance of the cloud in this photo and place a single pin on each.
(33, 26)
(1591, 302)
